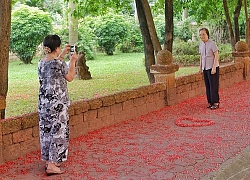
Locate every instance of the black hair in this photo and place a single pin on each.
(206, 30)
(52, 42)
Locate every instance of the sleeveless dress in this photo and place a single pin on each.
(53, 106)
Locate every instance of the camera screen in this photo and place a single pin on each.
(72, 48)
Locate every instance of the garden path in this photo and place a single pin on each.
(152, 146)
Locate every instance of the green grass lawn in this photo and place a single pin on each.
(110, 74)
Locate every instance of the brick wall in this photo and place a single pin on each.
(193, 85)
(20, 135)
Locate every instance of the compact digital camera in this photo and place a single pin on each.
(72, 49)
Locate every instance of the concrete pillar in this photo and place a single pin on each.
(164, 71)
(2, 106)
(243, 57)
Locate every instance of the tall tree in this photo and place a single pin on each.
(73, 24)
(5, 22)
(148, 44)
(216, 12)
(169, 25)
(247, 24)
(150, 39)
(236, 20)
(150, 24)
(229, 24)
(81, 8)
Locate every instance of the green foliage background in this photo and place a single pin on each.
(29, 25)
(110, 30)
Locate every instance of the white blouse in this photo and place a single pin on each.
(207, 51)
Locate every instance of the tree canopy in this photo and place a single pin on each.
(96, 7)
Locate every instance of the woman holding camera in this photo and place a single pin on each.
(54, 102)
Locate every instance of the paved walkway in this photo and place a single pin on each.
(152, 146)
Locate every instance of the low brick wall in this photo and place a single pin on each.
(20, 135)
(193, 85)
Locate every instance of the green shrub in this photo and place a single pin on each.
(187, 53)
(184, 30)
(29, 26)
(225, 48)
(187, 60)
(181, 47)
(110, 30)
(133, 42)
(160, 27)
(63, 33)
(87, 39)
(225, 57)
(225, 52)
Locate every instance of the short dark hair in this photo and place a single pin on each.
(206, 30)
(52, 41)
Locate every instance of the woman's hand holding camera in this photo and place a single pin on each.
(65, 51)
(72, 50)
(73, 57)
(72, 53)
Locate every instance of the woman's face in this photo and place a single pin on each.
(203, 35)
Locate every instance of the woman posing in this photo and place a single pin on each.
(209, 64)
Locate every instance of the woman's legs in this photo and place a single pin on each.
(212, 86)
(54, 138)
(207, 85)
(215, 87)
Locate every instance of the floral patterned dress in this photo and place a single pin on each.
(53, 110)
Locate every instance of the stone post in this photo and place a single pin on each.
(164, 71)
(242, 55)
(2, 106)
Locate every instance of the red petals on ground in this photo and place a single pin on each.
(152, 146)
(185, 122)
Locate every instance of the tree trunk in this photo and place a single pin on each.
(236, 20)
(73, 24)
(229, 24)
(148, 45)
(5, 22)
(247, 25)
(245, 8)
(136, 15)
(184, 13)
(220, 31)
(151, 26)
(169, 25)
(248, 33)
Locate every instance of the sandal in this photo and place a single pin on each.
(50, 172)
(215, 106)
(209, 106)
(56, 164)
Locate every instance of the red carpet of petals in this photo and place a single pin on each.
(184, 141)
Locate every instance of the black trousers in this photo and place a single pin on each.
(212, 85)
